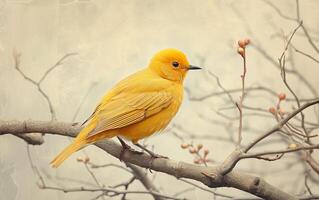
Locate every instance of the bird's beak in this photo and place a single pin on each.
(192, 67)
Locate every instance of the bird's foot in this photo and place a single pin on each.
(126, 147)
(152, 154)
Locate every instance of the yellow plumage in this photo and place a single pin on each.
(137, 106)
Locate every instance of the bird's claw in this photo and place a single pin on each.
(152, 154)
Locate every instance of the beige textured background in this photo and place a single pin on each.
(115, 38)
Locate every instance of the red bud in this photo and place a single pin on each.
(272, 110)
(282, 96)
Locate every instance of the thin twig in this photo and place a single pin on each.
(37, 84)
(256, 155)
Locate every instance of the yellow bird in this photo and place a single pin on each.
(139, 105)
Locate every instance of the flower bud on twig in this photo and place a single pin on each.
(241, 51)
(184, 145)
(206, 152)
(241, 43)
(281, 111)
(272, 110)
(197, 161)
(282, 96)
(86, 159)
(79, 159)
(192, 150)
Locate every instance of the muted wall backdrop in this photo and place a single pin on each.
(115, 38)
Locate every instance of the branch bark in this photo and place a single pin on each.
(236, 179)
(142, 176)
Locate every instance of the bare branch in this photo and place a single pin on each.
(256, 155)
(204, 189)
(108, 191)
(234, 157)
(58, 63)
(239, 180)
(305, 54)
(280, 124)
(142, 176)
(37, 84)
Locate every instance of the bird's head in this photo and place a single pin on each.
(171, 64)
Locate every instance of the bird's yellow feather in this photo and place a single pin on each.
(137, 106)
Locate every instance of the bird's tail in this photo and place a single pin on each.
(79, 142)
(75, 146)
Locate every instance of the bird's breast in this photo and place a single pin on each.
(158, 121)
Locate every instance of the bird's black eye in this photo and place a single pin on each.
(175, 64)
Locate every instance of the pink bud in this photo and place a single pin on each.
(272, 110)
(241, 43)
(282, 96)
(281, 111)
(79, 159)
(197, 161)
(86, 159)
(241, 51)
(184, 145)
(192, 150)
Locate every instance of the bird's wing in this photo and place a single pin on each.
(128, 108)
(141, 81)
(92, 115)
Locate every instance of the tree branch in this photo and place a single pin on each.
(142, 176)
(242, 181)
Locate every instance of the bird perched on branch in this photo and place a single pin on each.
(138, 106)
